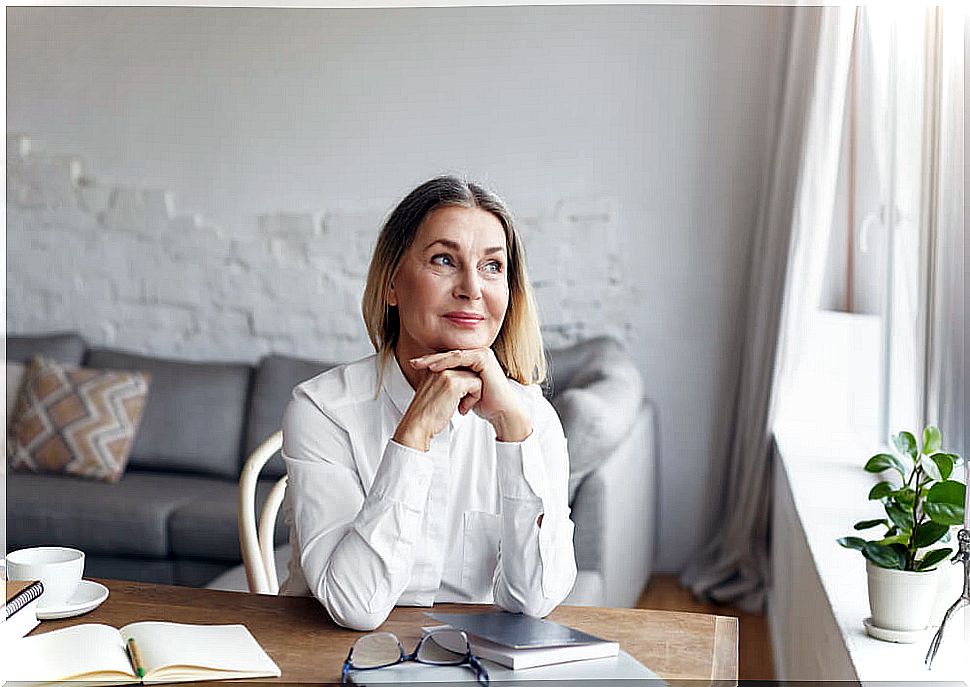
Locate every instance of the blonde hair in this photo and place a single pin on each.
(518, 346)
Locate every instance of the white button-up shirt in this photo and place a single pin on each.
(374, 523)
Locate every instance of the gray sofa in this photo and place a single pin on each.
(172, 516)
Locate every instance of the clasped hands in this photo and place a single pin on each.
(466, 380)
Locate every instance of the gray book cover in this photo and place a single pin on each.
(515, 630)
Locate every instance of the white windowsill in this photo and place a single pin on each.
(829, 487)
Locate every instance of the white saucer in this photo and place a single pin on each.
(898, 636)
(88, 596)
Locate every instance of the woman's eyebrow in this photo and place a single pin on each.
(448, 243)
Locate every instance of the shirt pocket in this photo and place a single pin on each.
(480, 542)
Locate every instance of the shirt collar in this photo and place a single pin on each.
(401, 393)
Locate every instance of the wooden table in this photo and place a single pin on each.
(308, 647)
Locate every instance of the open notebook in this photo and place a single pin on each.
(170, 652)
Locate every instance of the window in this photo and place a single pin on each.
(862, 363)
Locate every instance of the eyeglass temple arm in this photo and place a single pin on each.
(480, 670)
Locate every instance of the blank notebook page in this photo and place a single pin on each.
(218, 647)
(69, 652)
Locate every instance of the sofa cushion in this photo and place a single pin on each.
(128, 518)
(275, 377)
(589, 513)
(181, 571)
(152, 570)
(596, 388)
(195, 414)
(208, 528)
(65, 347)
(76, 421)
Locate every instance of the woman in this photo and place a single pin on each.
(434, 470)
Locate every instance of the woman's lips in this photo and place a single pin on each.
(468, 320)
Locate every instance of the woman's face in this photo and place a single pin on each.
(451, 288)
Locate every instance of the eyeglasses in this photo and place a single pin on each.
(443, 647)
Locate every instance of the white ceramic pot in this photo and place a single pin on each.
(899, 599)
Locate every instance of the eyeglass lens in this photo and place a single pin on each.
(443, 648)
(376, 650)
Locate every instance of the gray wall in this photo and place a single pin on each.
(655, 113)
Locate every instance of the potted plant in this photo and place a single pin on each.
(921, 503)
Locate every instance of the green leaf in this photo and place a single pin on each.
(905, 443)
(944, 513)
(901, 548)
(885, 461)
(932, 439)
(944, 461)
(884, 556)
(901, 517)
(932, 558)
(866, 524)
(950, 491)
(944, 502)
(930, 469)
(895, 539)
(852, 542)
(905, 496)
(880, 490)
(928, 533)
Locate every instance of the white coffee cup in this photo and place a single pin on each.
(58, 567)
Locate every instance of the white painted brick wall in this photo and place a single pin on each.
(127, 268)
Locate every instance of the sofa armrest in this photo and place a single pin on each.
(615, 513)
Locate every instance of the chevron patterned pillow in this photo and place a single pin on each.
(75, 421)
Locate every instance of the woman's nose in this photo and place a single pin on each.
(468, 285)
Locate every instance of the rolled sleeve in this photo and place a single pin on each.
(404, 476)
(537, 565)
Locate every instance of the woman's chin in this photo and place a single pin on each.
(452, 343)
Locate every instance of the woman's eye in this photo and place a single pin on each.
(494, 267)
(442, 259)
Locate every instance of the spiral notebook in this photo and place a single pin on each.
(20, 610)
(19, 594)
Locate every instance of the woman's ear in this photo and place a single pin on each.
(391, 296)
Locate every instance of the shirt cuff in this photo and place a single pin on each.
(521, 469)
(404, 476)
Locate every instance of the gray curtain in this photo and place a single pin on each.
(731, 567)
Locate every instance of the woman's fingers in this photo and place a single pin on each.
(435, 401)
(462, 389)
(469, 401)
(474, 358)
(481, 361)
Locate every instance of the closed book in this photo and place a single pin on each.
(518, 659)
(516, 630)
